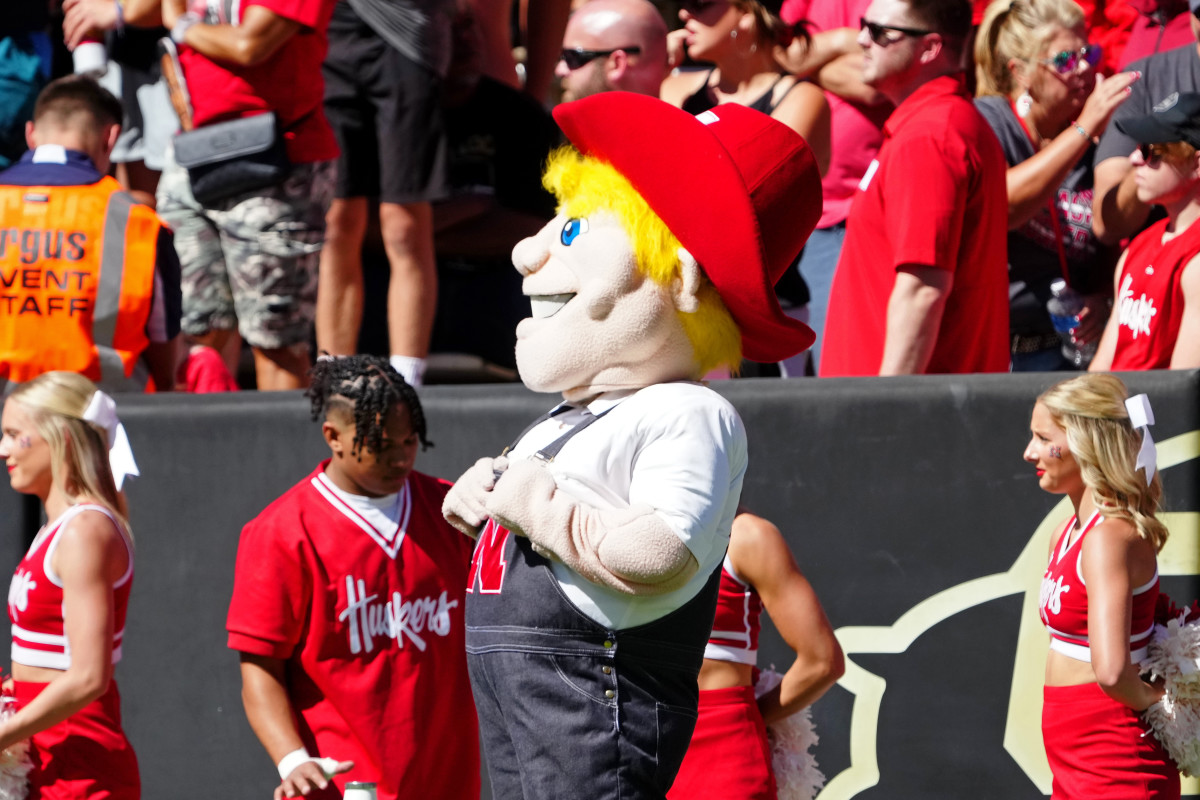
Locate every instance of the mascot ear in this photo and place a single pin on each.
(685, 290)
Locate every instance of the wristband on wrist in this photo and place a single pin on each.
(1079, 129)
(181, 26)
(292, 760)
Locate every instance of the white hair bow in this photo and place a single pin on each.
(1141, 415)
(102, 412)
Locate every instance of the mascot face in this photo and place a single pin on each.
(598, 323)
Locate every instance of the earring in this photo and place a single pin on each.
(733, 34)
(1023, 104)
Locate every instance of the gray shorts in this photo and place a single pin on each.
(150, 119)
(250, 261)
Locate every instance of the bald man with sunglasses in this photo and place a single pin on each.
(613, 45)
(921, 285)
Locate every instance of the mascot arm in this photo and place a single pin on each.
(465, 504)
(631, 550)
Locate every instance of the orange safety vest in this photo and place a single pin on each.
(76, 282)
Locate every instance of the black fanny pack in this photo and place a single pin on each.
(233, 157)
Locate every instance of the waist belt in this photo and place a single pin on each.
(1035, 343)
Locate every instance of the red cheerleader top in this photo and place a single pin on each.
(1063, 603)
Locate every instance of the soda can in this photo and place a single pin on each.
(359, 790)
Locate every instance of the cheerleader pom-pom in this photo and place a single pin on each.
(791, 739)
(1174, 654)
(15, 763)
(1177, 726)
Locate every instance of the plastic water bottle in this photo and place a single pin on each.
(90, 57)
(1065, 306)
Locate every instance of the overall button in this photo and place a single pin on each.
(607, 670)
(610, 694)
(608, 644)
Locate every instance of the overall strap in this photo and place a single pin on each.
(551, 450)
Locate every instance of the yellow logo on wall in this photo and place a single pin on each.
(1023, 731)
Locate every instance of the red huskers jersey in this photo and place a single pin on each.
(1063, 604)
(735, 629)
(371, 625)
(35, 598)
(1150, 298)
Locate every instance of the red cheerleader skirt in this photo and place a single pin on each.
(729, 757)
(1099, 749)
(84, 757)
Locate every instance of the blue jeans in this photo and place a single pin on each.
(817, 265)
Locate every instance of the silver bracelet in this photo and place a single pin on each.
(1079, 128)
(181, 26)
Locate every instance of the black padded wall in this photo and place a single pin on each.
(906, 503)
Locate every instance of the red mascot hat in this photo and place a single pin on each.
(741, 192)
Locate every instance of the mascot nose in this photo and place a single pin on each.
(530, 254)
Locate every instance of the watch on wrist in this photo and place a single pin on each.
(181, 26)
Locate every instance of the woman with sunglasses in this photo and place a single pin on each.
(1099, 592)
(1157, 286)
(68, 597)
(1039, 91)
(744, 40)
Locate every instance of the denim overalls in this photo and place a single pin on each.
(567, 707)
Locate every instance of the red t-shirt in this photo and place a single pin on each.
(370, 622)
(1150, 297)
(288, 83)
(936, 195)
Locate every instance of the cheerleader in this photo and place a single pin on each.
(1099, 591)
(729, 756)
(69, 595)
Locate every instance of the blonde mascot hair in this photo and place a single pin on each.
(584, 185)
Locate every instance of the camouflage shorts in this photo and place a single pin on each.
(250, 261)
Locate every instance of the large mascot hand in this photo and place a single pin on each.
(630, 550)
(465, 503)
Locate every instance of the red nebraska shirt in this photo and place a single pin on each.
(935, 196)
(370, 623)
(1149, 303)
(288, 83)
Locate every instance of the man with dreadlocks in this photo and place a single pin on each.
(347, 607)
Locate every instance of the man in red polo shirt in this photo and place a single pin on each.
(922, 284)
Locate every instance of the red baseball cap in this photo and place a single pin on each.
(740, 190)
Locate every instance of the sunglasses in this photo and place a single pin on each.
(577, 57)
(1152, 154)
(878, 33)
(1064, 63)
(697, 7)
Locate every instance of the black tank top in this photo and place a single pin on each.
(700, 101)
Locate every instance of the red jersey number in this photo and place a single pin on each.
(488, 564)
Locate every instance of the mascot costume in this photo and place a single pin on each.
(602, 528)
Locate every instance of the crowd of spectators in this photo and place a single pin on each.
(349, 176)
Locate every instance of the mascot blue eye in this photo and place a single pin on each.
(572, 229)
